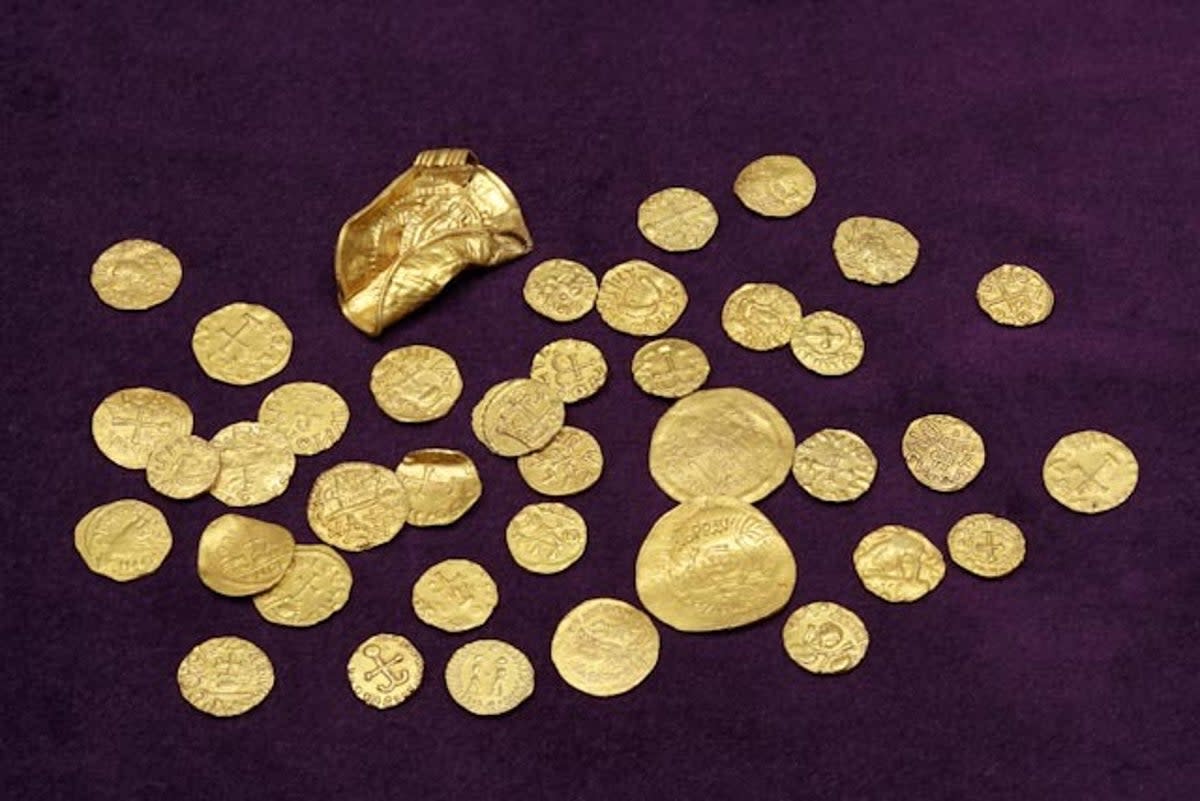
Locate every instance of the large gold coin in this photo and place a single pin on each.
(123, 540)
(560, 289)
(776, 185)
(241, 556)
(670, 368)
(546, 538)
(130, 423)
(489, 677)
(455, 595)
(721, 442)
(517, 416)
(574, 368)
(834, 465)
(824, 637)
(873, 250)
(898, 564)
(1090, 472)
(604, 647)
(986, 545)
(677, 219)
(570, 463)
(713, 564)
(312, 417)
(384, 670)
(441, 485)
(136, 274)
(183, 467)
(416, 383)
(640, 299)
(225, 676)
(761, 316)
(828, 343)
(242, 343)
(943, 452)
(316, 584)
(1016, 295)
(357, 505)
(256, 464)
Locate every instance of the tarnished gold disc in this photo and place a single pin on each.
(256, 464)
(316, 584)
(873, 250)
(225, 676)
(824, 637)
(242, 343)
(123, 540)
(834, 465)
(828, 343)
(712, 564)
(1016, 295)
(761, 316)
(604, 647)
(570, 463)
(183, 467)
(241, 556)
(546, 537)
(489, 677)
(416, 383)
(670, 368)
(384, 670)
(136, 274)
(312, 417)
(721, 442)
(986, 545)
(943, 452)
(455, 595)
(573, 368)
(640, 299)
(561, 289)
(1090, 472)
(441, 484)
(677, 219)
(898, 564)
(517, 416)
(357, 505)
(130, 423)
(776, 186)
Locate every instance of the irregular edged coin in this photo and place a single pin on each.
(986, 545)
(256, 464)
(560, 289)
(416, 383)
(677, 219)
(136, 274)
(834, 465)
(517, 416)
(130, 423)
(1090, 472)
(573, 368)
(384, 670)
(310, 416)
(569, 463)
(489, 677)
(546, 537)
(455, 595)
(873, 250)
(824, 637)
(778, 185)
(943, 452)
(183, 467)
(316, 584)
(123, 540)
(761, 316)
(242, 343)
(241, 556)
(357, 505)
(640, 299)
(1015, 295)
(441, 484)
(604, 647)
(898, 564)
(670, 368)
(225, 676)
(828, 343)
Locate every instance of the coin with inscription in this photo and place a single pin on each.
(986, 545)
(455, 595)
(546, 538)
(225, 676)
(357, 505)
(604, 647)
(574, 368)
(828, 343)
(183, 467)
(670, 368)
(489, 677)
(242, 343)
(569, 463)
(1090, 472)
(384, 670)
(416, 383)
(256, 464)
(873, 250)
(315, 585)
(898, 564)
(311, 416)
(136, 274)
(123, 540)
(834, 465)
(824, 637)
(761, 316)
(517, 416)
(1015, 295)
(778, 185)
(240, 555)
(677, 219)
(640, 299)
(441, 484)
(560, 289)
(943, 452)
(130, 423)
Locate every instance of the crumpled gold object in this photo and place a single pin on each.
(445, 213)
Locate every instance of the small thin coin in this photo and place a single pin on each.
(561, 289)
(184, 467)
(873, 250)
(416, 383)
(225, 676)
(824, 637)
(242, 343)
(778, 185)
(670, 368)
(312, 417)
(489, 677)
(640, 299)
(569, 463)
(241, 556)
(604, 647)
(441, 484)
(130, 423)
(1015, 295)
(546, 538)
(761, 317)
(256, 464)
(828, 343)
(573, 368)
(123, 540)
(986, 545)
(357, 505)
(898, 564)
(384, 670)
(517, 417)
(943, 452)
(316, 585)
(136, 274)
(1090, 472)
(677, 219)
(834, 465)
(455, 595)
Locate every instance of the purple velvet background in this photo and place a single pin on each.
(242, 138)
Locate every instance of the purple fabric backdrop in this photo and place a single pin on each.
(242, 138)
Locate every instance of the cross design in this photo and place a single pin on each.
(248, 321)
(1089, 476)
(139, 420)
(383, 669)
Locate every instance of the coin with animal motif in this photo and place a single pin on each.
(489, 677)
(898, 564)
(943, 452)
(357, 505)
(225, 676)
(256, 464)
(315, 585)
(573, 368)
(761, 316)
(241, 556)
(1015, 295)
(242, 343)
(441, 484)
(455, 595)
(604, 647)
(778, 185)
(825, 637)
(670, 368)
(872, 250)
(677, 219)
(312, 417)
(136, 274)
(1090, 472)
(561, 289)
(416, 383)
(834, 465)
(986, 545)
(130, 423)
(517, 416)
(384, 670)
(123, 540)
(640, 299)
(546, 538)
(183, 467)
(569, 463)
(828, 343)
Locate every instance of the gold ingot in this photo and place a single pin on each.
(183, 467)
(225, 676)
(441, 484)
(256, 464)
(824, 637)
(604, 647)
(455, 595)
(670, 368)
(778, 185)
(312, 417)
(986, 545)
(241, 556)
(384, 670)
(872, 250)
(357, 505)
(242, 343)
(546, 538)
(640, 299)
(943, 452)
(898, 564)
(828, 343)
(568, 464)
(761, 317)
(517, 417)
(677, 219)
(1015, 295)
(416, 383)
(130, 423)
(1090, 472)
(316, 585)
(136, 274)
(574, 368)
(489, 677)
(123, 540)
(561, 290)
(834, 465)
(712, 564)
(445, 213)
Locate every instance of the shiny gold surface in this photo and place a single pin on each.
(416, 383)
(761, 317)
(604, 647)
(455, 595)
(561, 290)
(489, 677)
(824, 637)
(312, 417)
(123, 540)
(384, 670)
(183, 467)
(898, 564)
(573, 368)
(872, 250)
(641, 299)
(670, 368)
(242, 343)
(136, 274)
(256, 464)
(517, 417)
(130, 423)
(677, 219)
(1090, 472)
(986, 545)
(355, 506)
(834, 465)
(569, 463)
(240, 555)
(316, 585)
(778, 185)
(225, 676)
(943, 452)
(546, 538)
(441, 484)
(1015, 295)
(828, 343)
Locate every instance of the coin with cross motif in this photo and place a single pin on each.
(256, 464)
(315, 585)
(567, 464)
(986, 545)
(130, 423)
(1015, 295)
(670, 367)
(1090, 472)
(242, 343)
(943, 452)
(357, 505)
(311, 416)
(560, 289)
(455, 595)
(828, 343)
(384, 670)
(442, 485)
(183, 467)
(416, 383)
(574, 368)
(677, 219)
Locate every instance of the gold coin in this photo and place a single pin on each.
(712, 564)
(416, 383)
(489, 677)
(640, 299)
(1015, 295)
(183, 467)
(828, 343)
(677, 219)
(986, 545)
(357, 505)
(242, 343)
(241, 556)
(136, 274)
(670, 368)
(776, 186)
(721, 442)
(898, 564)
(570, 463)
(604, 647)
(873, 250)
(517, 416)
(560, 289)
(942, 452)
(573, 368)
(1090, 472)
(123, 540)
(546, 538)
(316, 584)
(130, 423)
(441, 485)
(761, 316)
(384, 670)
(310, 416)
(225, 676)
(834, 465)
(824, 637)
(455, 595)
(256, 464)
